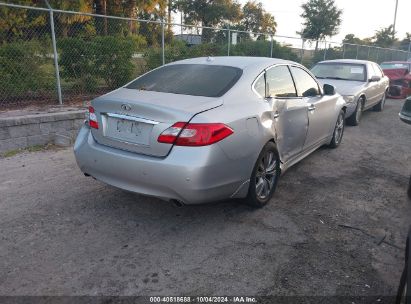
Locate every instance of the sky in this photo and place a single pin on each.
(360, 17)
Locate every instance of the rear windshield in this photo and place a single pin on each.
(342, 71)
(394, 66)
(189, 79)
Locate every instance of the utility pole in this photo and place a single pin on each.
(395, 19)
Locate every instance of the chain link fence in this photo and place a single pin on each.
(50, 56)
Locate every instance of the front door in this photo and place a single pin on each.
(320, 108)
(289, 112)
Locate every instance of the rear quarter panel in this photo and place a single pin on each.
(243, 113)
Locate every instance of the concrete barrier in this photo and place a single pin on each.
(40, 129)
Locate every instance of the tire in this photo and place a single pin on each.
(266, 173)
(354, 119)
(338, 131)
(380, 106)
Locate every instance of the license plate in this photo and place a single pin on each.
(129, 130)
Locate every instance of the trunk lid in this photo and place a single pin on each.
(132, 120)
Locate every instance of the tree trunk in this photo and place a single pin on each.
(170, 3)
(101, 9)
(316, 45)
(132, 13)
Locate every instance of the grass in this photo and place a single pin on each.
(36, 148)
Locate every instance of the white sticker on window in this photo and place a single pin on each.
(357, 70)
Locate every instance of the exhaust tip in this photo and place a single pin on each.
(177, 203)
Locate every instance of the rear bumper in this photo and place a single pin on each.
(190, 175)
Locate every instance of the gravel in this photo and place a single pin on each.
(336, 226)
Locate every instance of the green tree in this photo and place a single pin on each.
(322, 18)
(64, 21)
(21, 23)
(385, 37)
(256, 19)
(351, 39)
(405, 43)
(209, 13)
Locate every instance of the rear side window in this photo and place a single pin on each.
(377, 70)
(189, 79)
(279, 82)
(306, 85)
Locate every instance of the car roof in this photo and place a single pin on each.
(354, 61)
(242, 62)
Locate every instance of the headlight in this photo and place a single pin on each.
(349, 98)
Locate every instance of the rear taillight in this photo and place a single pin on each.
(194, 134)
(92, 118)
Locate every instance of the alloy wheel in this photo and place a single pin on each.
(358, 112)
(266, 175)
(339, 128)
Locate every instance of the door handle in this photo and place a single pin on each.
(311, 107)
(276, 115)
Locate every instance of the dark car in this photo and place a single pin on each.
(399, 73)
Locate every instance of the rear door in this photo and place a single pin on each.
(321, 109)
(382, 84)
(289, 112)
(373, 87)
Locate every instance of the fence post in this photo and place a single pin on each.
(163, 56)
(56, 61)
(409, 51)
(271, 47)
(358, 49)
(368, 54)
(378, 54)
(325, 51)
(343, 51)
(229, 40)
(302, 50)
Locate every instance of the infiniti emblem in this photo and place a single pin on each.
(125, 107)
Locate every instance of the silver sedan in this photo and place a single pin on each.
(209, 129)
(362, 84)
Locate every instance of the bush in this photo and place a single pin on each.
(261, 48)
(23, 70)
(107, 58)
(77, 63)
(179, 50)
(113, 60)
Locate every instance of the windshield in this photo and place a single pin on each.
(393, 66)
(341, 71)
(189, 79)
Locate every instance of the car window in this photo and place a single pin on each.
(377, 70)
(189, 79)
(394, 65)
(339, 71)
(259, 85)
(306, 85)
(372, 71)
(279, 82)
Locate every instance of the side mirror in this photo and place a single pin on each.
(375, 79)
(329, 89)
